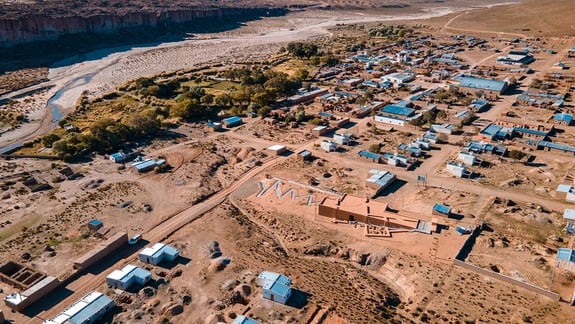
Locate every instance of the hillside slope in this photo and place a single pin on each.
(532, 17)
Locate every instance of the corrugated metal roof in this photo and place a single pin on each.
(569, 214)
(442, 208)
(563, 117)
(557, 146)
(397, 110)
(232, 120)
(564, 188)
(482, 84)
(369, 155)
(565, 254)
(278, 288)
(491, 130)
(84, 309)
(241, 319)
(529, 131)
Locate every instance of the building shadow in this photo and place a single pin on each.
(48, 301)
(395, 186)
(170, 265)
(441, 227)
(455, 216)
(298, 298)
(121, 253)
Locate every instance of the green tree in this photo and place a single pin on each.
(302, 74)
(516, 155)
(49, 139)
(264, 111)
(375, 148)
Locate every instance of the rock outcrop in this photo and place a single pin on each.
(41, 27)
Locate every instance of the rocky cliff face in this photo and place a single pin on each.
(41, 27)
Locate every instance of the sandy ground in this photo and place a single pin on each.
(100, 71)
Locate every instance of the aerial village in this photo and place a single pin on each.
(446, 148)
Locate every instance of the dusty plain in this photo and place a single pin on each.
(210, 194)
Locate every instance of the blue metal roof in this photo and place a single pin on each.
(569, 214)
(241, 319)
(369, 155)
(278, 288)
(442, 208)
(325, 114)
(232, 120)
(88, 312)
(491, 130)
(529, 131)
(563, 117)
(305, 153)
(144, 165)
(556, 146)
(397, 110)
(166, 249)
(95, 222)
(564, 254)
(482, 84)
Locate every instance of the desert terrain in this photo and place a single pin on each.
(234, 206)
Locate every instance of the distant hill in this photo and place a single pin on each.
(531, 17)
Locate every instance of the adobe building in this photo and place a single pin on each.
(356, 209)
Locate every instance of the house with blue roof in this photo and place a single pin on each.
(563, 119)
(441, 210)
(158, 253)
(566, 259)
(232, 121)
(128, 276)
(379, 180)
(89, 309)
(530, 133)
(241, 319)
(118, 157)
(491, 132)
(276, 287)
(489, 88)
(394, 115)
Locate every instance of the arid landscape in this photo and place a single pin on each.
(380, 161)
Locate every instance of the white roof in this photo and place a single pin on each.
(276, 147)
(119, 274)
(150, 251)
(569, 214)
(564, 188)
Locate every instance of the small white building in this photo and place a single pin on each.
(442, 128)
(118, 157)
(158, 253)
(398, 79)
(328, 146)
(341, 139)
(277, 149)
(467, 158)
(389, 120)
(276, 287)
(90, 309)
(568, 190)
(128, 276)
(457, 170)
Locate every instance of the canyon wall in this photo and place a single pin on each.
(32, 28)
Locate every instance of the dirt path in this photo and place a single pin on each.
(447, 29)
(159, 233)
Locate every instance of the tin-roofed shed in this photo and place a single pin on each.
(441, 210)
(158, 253)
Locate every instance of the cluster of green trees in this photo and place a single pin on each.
(389, 31)
(106, 135)
(428, 118)
(258, 89)
(302, 50)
